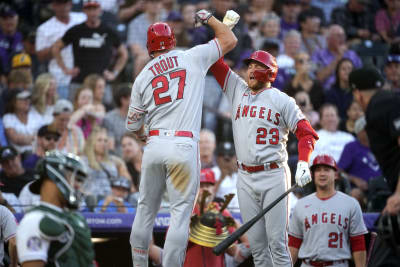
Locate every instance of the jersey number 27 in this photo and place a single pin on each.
(163, 80)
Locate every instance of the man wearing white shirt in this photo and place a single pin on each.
(52, 30)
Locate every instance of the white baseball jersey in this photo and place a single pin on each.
(169, 90)
(326, 225)
(8, 227)
(261, 121)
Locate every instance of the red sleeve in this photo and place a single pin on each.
(220, 70)
(307, 137)
(295, 242)
(357, 243)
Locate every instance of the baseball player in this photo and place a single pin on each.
(262, 117)
(169, 91)
(327, 227)
(8, 227)
(52, 234)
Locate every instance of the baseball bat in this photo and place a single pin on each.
(371, 246)
(242, 229)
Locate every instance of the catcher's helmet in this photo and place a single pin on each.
(160, 37)
(65, 170)
(268, 61)
(324, 160)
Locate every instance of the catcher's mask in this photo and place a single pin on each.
(211, 227)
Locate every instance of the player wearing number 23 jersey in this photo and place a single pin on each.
(262, 117)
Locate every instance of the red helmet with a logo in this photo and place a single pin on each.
(207, 176)
(324, 160)
(160, 37)
(268, 61)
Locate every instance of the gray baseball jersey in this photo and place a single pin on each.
(326, 225)
(261, 121)
(8, 226)
(170, 89)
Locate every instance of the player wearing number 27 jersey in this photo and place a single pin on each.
(169, 93)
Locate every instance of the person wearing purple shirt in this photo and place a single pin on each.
(10, 38)
(327, 59)
(290, 11)
(357, 161)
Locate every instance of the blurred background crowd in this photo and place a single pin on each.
(67, 67)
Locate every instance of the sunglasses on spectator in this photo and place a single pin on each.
(52, 137)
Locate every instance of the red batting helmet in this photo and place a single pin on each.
(207, 176)
(268, 61)
(324, 160)
(160, 37)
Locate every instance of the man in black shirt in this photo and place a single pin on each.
(93, 43)
(382, 112)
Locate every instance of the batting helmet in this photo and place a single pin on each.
(207, 176)
(160, 37)
(324, 160)
(268, 61)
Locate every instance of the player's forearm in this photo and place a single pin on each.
(12, 250)
(360, 258)
(226, 39)
(294, 252)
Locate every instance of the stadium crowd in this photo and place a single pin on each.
(67, 67)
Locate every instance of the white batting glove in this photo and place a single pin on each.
(303, 175)
(231, 19)
(202, 17)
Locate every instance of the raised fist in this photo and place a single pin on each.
(231, 19)
(202, 17)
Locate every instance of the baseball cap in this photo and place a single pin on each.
(207, 176)
(21, 60)
(90, 3)
(174, 16)
(366, 78)
(61, 106)
(359, 125)
(7, 152)
(121, 182)
(225, 149)
(7, 11)
(45, 130)
(393, 58)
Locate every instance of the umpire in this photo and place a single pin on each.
(382, 112)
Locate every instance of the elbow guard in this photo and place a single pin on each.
(307, 138)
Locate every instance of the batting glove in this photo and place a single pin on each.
(303, 175)
(202, 17)
(231, 19)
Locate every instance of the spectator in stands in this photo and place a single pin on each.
(303, 81)
(303, 101)
(86, 115)
(46, 140)
(331, 141)
(10, 39)
(306, 6)
(357, 20)
(357, 162)
(52, 30)
(188, 12)
(328, 58)
(97, 84)
(327, 6)
(290, 12)
(285, 60)
(12, 175)
(130, 9)
(114, 120)
(354, 112)
(183, 39)
(311, 40)
(3, 138)
(116, 201)
(387, 21)
(340, 94)
(269, 30)
(226, 173)
(20, 125)
(22, 61)
(30, 49)
(89, 40)
(44, 97)
(207, 146)
(103, 167)
(137, 32)
(132, 154)
(392, 73)
(72, 139)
